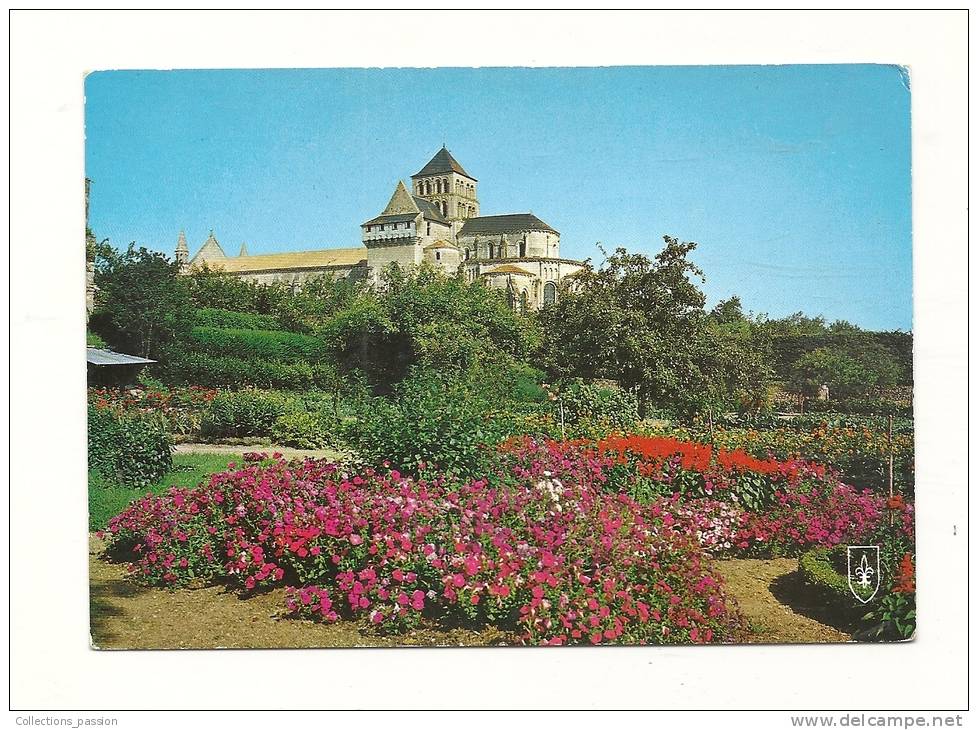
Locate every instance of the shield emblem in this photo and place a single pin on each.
(864, 571)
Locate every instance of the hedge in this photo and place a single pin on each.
(127, 450)
(256, 344)
(210, 317)
(247, 412)
(817, 569)
(181, 367)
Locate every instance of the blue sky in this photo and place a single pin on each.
(793, 180)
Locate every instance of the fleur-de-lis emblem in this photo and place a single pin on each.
(864, 571)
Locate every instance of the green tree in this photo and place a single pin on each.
(142, 304)
(641, 321)
(428, 319)
(853, 370)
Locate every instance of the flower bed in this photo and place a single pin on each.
(735, 502)
(555, 562)
(860, 454)
(177, 410)
(563, 542)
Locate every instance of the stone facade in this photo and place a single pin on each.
(437, 221)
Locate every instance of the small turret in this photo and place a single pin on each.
(182, 253)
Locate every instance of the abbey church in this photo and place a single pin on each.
(437, 221)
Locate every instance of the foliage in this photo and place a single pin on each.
(786, 505)
(213, 289)
(606, 404)
(177, 410)
(106, 498)
(817, 568)
(252, 344)
(427, 319)
(847, 371)
(93, 340)
(142, 305)
(863, 406)
(859, 453)
(247, 412)
(433, 420)
(184, 366)
(301, 430)
(225, 318)
(126, 450)
(554, 561)
(641, 322)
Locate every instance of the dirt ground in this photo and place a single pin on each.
(775, 603)
(128, 616)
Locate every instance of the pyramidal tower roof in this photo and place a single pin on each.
(182, 242)
(402, 202)
(210, 251)
(442, 162)
(244, 250)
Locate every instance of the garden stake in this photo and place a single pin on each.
(889, 446)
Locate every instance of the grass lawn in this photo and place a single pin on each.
(106, 500)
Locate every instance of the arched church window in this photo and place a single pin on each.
(523, 248)
(467, 252)
(549, 293)
(524, 301)
(492, 251)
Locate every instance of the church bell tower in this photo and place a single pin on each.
(445, 184)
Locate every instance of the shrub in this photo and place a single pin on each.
(184, 367)
(225, 318)
(127, 450)
(245, 413)
(600, 405)
(301, 430)
(555, 562)
(819, 570)
(433, 420)
(254, 344)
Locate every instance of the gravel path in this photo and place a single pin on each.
(238, 449)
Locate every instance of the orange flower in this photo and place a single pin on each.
(905, 577)
(896, 503)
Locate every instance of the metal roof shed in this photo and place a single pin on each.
(112, 368)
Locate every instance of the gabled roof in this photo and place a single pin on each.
(320, 259)
(509, 223)
(210, 251)
(442, 162)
